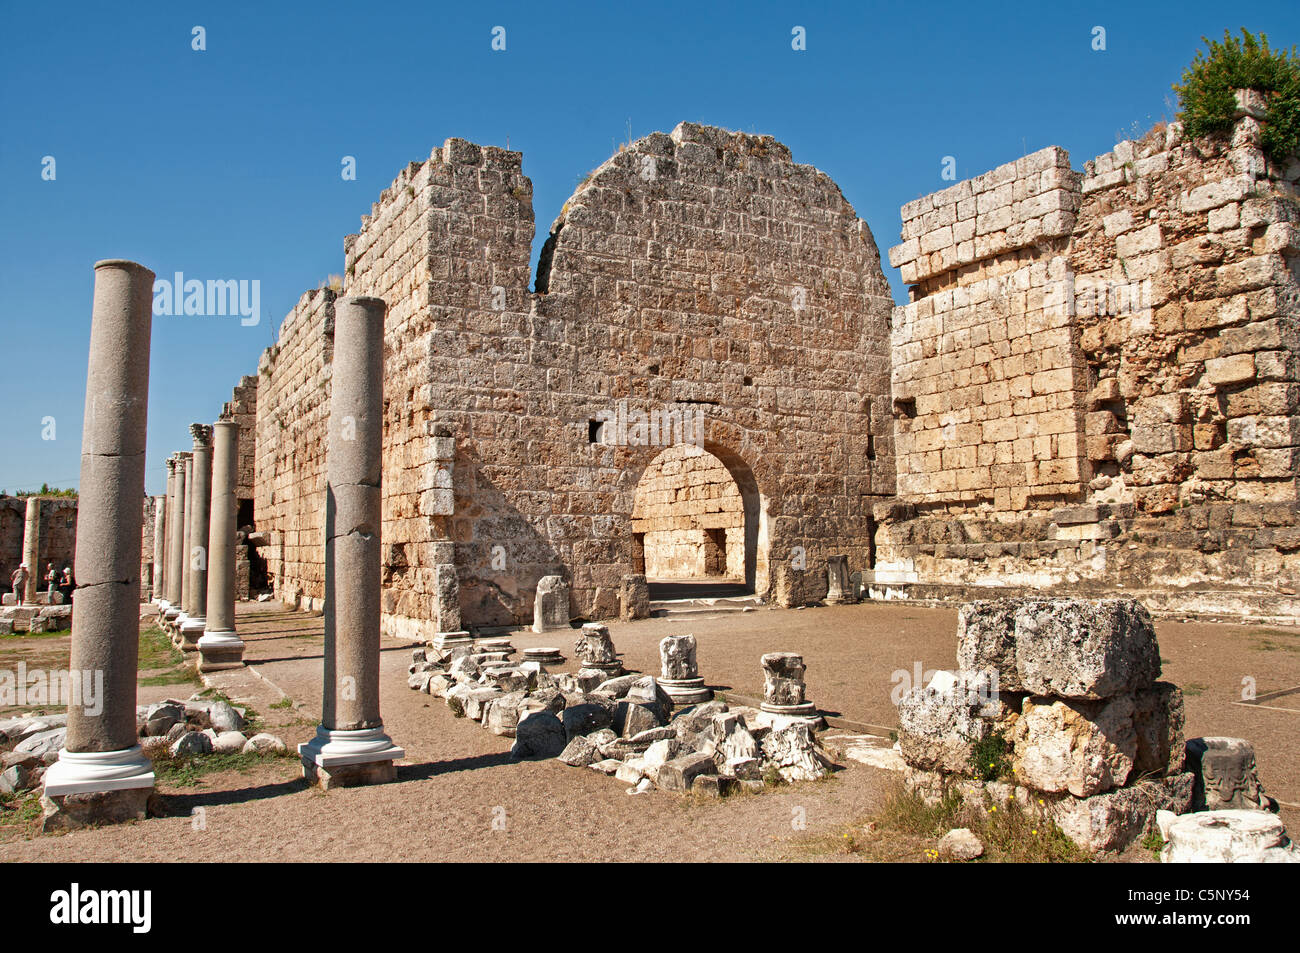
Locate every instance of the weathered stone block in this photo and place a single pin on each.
(680, 773)
(1080, 747)
(1085, 649)
(1113, 820)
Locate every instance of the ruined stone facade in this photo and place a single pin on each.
(58, 539)
(703, 271)
(1094, 384)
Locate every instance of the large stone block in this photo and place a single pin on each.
(940, 723)
(986, 640)
(551, 604)
(793, 751)
(1158, 721)
(1113, 820)
(1076, 746)
(680, 773)
(1085, 649)
(634, 597)
(539, 734)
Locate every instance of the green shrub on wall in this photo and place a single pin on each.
(1207, 97)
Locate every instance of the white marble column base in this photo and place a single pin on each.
(94, 772)
(330, 749)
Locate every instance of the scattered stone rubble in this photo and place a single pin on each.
(627, 726)
(1066, 692)
(194, 726)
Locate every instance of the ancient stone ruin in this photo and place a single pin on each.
(1092, 385)
(1056, 708)
(1093, 388)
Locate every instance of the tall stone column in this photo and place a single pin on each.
(176, 542)
(200, 503)
(351, 746)
(220, 645)
(169, 516)
(162, 543)
(102, 775)
(32, 548)
(159, 544)
(187, 504)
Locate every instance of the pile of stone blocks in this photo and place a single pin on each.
(1093, 741)
(35, 619)
(626, 726)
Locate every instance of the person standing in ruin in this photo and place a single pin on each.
(19, 580)
(65, 584)
(51, 580)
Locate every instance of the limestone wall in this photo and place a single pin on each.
(987, 376)
(707, 269)
(1145, 329)
(146, 550)
(242, 409)
(292, 410)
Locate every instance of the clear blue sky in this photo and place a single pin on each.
(226, 163)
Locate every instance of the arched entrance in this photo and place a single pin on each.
(697, 524)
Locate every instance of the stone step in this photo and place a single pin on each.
(696, 608)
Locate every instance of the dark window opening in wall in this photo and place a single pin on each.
(871, 447)
(595, 431)
(244, 515)
(905, 407)
(749, 382)
(638, 553)
(715, 552)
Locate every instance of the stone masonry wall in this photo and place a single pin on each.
(1162, 287)
(292, 410)
(987, 380)
(242, 409)
(682, 494)
(146, 550)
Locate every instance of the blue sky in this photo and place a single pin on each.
(225, 163)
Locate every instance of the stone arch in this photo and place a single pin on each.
(752, 535)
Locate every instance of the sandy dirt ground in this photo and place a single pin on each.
(458, 796)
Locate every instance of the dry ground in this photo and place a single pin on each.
(458, 779)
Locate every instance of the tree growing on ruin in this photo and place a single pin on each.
(1207, 94)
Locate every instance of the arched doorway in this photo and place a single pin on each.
(697, 525)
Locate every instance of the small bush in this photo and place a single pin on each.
(988, 756)
(1207, 97)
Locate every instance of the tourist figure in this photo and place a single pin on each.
(19, 580)
(65, 584)
(51, 578)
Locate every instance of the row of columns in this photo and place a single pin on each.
(102, 774)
